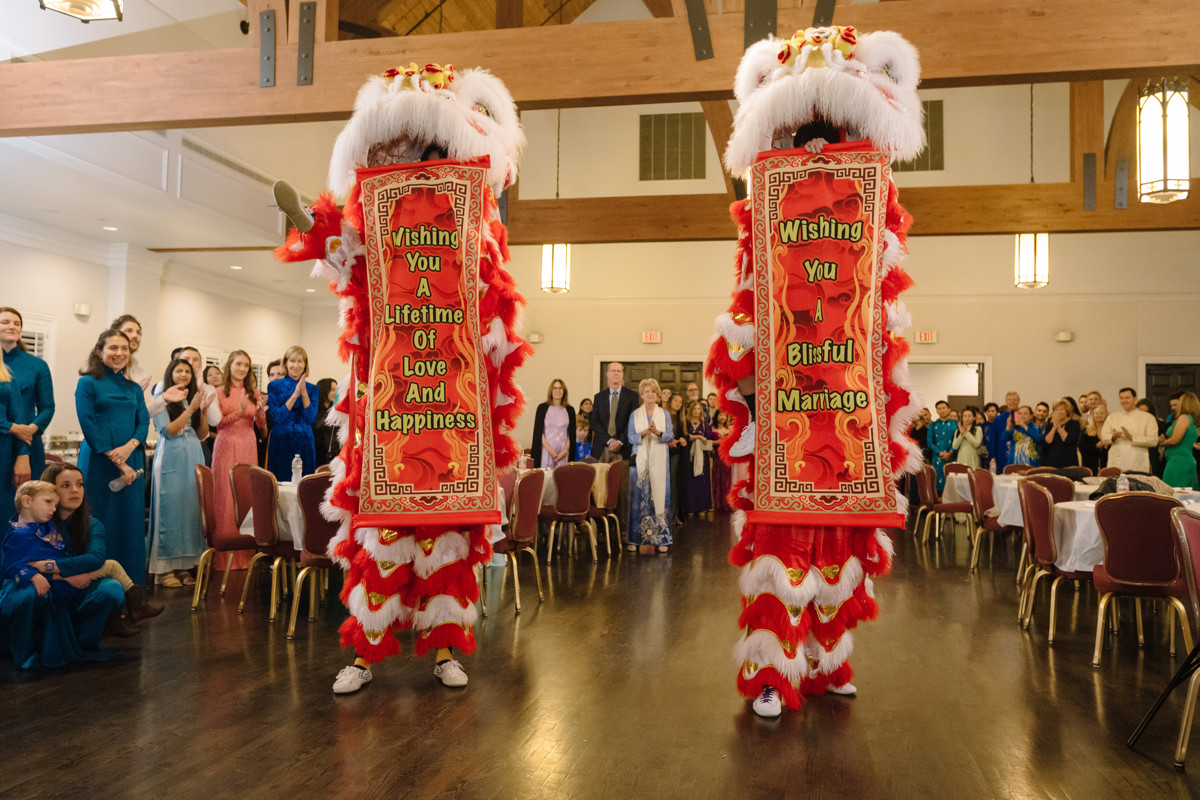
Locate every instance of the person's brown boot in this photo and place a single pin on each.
(119, 625)
(139, 607)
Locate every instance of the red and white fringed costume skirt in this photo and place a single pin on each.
(422, 577)
(804, 588)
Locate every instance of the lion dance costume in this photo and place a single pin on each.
(806, 581)
(419, 576)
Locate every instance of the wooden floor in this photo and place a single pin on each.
(620, 685)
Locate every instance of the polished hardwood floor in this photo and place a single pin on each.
(619, 686)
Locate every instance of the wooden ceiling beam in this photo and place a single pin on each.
(639, 61)
(937, 211)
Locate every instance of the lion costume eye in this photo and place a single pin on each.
(481, 109)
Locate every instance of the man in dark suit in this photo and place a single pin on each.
(610, 421)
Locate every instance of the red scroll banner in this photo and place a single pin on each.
(820, 430)
(427, 454)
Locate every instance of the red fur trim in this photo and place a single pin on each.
(895, 282)
(352, 636)
(875, 559)
(447, 635)
(817, 685)
(311, 246)
(767, 613)
(751, 688)
(456, 579)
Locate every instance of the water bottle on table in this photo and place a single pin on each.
(1122, 483)
(297, 468)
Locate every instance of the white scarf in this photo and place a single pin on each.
(699, 448)
(652, 456)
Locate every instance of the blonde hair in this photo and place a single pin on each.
(33, 489)
(1093, 427)
(295, 350)
(5, 375)
(651, 384)
(1189, 404)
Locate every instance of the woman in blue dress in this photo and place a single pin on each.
(53, 607)
(177, 539)
(33, 407)
(113, 417)
(649, 476)
(292, 407)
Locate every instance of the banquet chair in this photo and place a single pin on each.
(951, 469)
(521, 534)
(1017, 469)
(508, 482)
(927, 495)
(986, 513)
(324, 469)
(941, 509)
(1060, 488)
(1075, 473)
(612, 488)
(574, 484)
(1041, 471)
(215, 542)
(1109, 472)
(1141, 559)
(239, 481)
(318, 532)
(1037, 509)
(264, 498)
(1185, 524)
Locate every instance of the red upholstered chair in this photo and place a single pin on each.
(1141, 559)
(217, 543)
(264, 499)
(239, 480)
(1037, 509)
(318, 532)
(941, 509)
(1017, 469)
(1186, 526)
(983, 507)
(1075, 473)
(1109, 472)
(928, 497)
(521, 534)
(1060, 488)
(574, 484)
(950, 469)
(324, 469)
(608, 511)
(508, 482)
(1042, 471)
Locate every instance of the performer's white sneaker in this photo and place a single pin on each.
(745, 443)
(450, 674)
(767, 704)
(845, 688)
(351, 679)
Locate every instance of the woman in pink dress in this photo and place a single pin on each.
(242, 407)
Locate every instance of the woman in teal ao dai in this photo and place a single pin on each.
(941, 442)
(28, 408)
(177, 539)
(113, 417)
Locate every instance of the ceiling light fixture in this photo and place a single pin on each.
(1162, 128)
(234, 266)
(109, 228)
(87, 10)
(556, 258)
(311, 291)
(1032, 265)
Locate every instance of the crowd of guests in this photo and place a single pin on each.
(1070, 432)
(668, 438)
(79, 543)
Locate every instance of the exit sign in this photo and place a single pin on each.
(651, 337)
(926, 337)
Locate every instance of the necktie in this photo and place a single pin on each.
(612, 413)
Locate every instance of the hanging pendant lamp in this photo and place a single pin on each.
(1033, 260)
(1163, 168)
(1032, 270)
(556, 258)
(87, 10)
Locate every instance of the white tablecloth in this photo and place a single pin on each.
(957, 489)
(1005, 496)
(1077, 536)
(288, 513)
